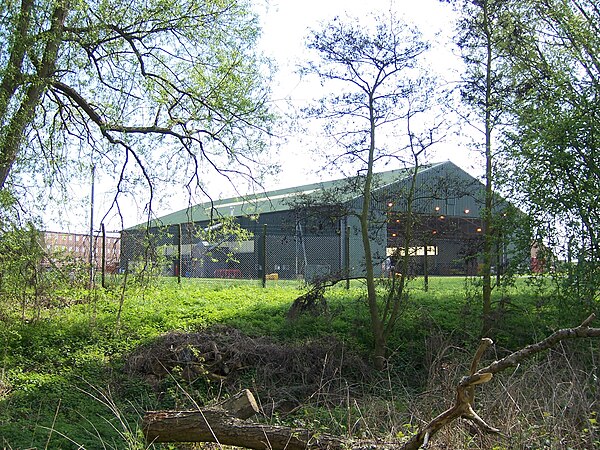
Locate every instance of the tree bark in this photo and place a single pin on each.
(224, 424)
(14, 130)
(211, 425)
(487, 322)
(377, 324)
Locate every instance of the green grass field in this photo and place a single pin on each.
(62, 383)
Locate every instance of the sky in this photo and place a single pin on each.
(285, 25)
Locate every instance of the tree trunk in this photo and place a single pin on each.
(377, 324)
(14, 130)
(224, 424)
(211, 425)
(487, 211)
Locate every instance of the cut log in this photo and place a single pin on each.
(242, 405)
(212, 425)
(224, 424)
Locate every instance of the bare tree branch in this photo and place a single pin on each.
(211, 426)
(463, 405)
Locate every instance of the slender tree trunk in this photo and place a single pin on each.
(488, 243)
(397, 293)
(377, 326)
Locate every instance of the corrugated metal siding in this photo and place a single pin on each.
(272, 201)
(442, 189)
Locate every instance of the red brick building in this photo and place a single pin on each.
(78, 247)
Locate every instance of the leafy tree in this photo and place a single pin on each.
(378, 90)
(486, 90)
(151, 90)
(554, 143)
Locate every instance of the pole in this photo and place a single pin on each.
(297, 239)
(347, 257)
(179, 253)
(91, 258)
(264, 256)
(103, 256)
(425, 268)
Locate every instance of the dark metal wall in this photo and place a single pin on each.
(302, 241)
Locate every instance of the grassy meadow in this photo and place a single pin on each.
(68, 379)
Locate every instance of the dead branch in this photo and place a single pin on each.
(463, 405)
(582, 331)
(312, 302)
(220, 425)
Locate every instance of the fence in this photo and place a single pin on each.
(263, 255)
(100, 253)
(271, 253)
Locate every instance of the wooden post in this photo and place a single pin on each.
(425, 269)
(179, 253)
(263, 261)
(103, 256)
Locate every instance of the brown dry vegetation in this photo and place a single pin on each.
(551, 402)
(284, 376)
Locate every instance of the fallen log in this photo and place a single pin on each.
(217, 426)
(225, 424)
(222, 426)
(196, 425)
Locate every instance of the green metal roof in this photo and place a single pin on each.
(275, 200)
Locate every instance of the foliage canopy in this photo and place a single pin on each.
(147, 90)
(554, 141)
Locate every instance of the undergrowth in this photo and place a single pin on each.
(63, 382)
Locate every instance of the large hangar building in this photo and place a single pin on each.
(313, 230)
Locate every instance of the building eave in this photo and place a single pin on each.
(272, 201)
